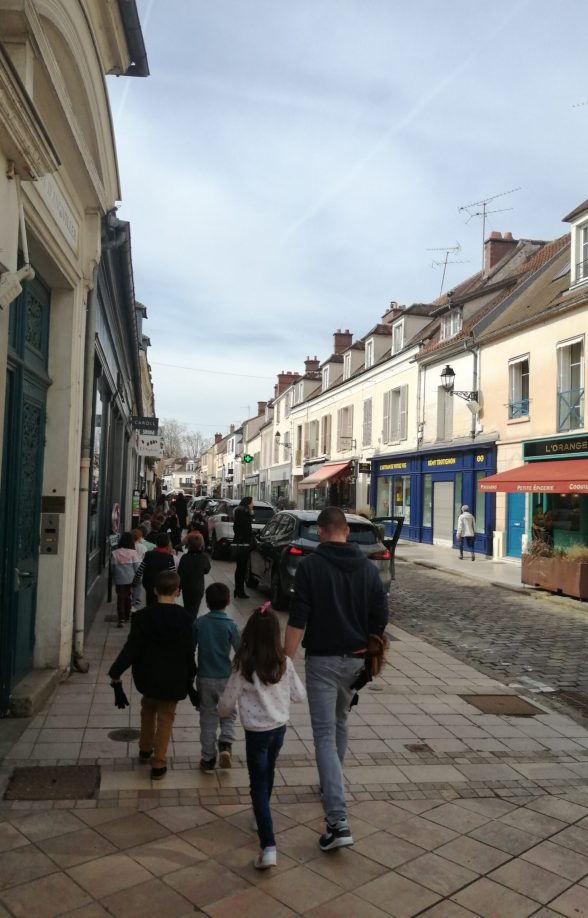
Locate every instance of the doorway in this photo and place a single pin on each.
(443, 513)
(515, 524)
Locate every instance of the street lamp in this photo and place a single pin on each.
(471, 397)
(278, 441)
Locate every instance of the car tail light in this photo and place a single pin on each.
(383, 555)
(226, 519)
(293, 550)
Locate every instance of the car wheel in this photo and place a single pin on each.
(250, 578)
(278, 597)
(214, 548)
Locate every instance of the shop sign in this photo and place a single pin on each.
(392, 466)
(559, 446)
(146, 425)
(446, 460)
(148, 445)
(364, 468)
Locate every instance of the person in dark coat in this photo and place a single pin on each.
(160, 650)
(194, 564)
(182, 509)
(242, 538)
(153, 563)
(172, 526)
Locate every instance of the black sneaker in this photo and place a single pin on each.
(158, 773)
(145, 755)
(335, 838)
(224, 757)
(207, 766)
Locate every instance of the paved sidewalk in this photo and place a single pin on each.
(503, 572)
(454, 812)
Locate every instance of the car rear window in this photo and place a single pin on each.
(262, 514)
(362, 535)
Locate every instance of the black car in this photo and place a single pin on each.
(291, 535)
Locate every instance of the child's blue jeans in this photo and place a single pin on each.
(262, 750)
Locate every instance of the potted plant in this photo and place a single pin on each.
(563, 571)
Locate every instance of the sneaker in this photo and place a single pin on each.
(207, 766)
(268, 857)
(158, 773)
(335, 837)
(144, 756)
(224, 759)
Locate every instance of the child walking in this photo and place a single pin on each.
(161, 652)
(264, 682)
(125, 563)
(214, 636)
(193, 566)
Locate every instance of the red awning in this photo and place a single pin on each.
(324, 474)
(564, 476)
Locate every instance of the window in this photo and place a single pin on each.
(480, 513)
(395, 415)
(299, 445)
(347, 365)
(444, 414)
(397, 336)
(582, 254)
(345, 428)
(300, 392)
(457, 501)
(570, 385)
(325, 378)
(450, 324)
(278, 406)
(427, 500)
(369, 353)
(313, 439)
(288, 403)
(518, 388)
(366, 438)
(276, 451)
(326, 435)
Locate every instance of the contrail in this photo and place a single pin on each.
(338, 187)
(127, 84)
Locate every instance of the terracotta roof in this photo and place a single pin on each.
(576, 212)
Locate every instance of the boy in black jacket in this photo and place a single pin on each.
(160, 649)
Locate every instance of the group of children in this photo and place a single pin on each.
(260, 680)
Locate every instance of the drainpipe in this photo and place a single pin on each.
(79, 663)
(474, 351)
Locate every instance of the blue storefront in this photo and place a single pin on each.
(429, 488)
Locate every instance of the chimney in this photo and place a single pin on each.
(285, 379)
(232, 429)
(218, 437)
(311, 364)
(392, 312)
(261, 406)
(496, 247)
(342, 340)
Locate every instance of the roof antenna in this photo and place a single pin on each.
(480, 209)
(448, 249)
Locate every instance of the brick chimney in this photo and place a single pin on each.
(311, 364)
(261, 406)
(218, 437)
(496, 247)
(285, 379)
(393, 311)
(342, 340)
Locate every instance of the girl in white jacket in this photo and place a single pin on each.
(263, 683)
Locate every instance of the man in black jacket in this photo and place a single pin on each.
(338, 601)
(160, 649)
(242, 536)
(154, 562)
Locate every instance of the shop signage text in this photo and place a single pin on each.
(363, 468)
(146, 425)
(448, 460)
(557, 447)
(391, 466)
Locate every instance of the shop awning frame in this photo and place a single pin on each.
(324, 474)
(559, 476)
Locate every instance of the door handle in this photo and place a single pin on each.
(23, 575)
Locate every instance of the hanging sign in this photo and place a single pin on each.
(149, 445)
(146, 425)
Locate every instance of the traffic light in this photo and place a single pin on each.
(247, 457)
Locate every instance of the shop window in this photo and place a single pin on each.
(383, 496)
(366, 438)
(444, 414)
(518, 388)
(457, 497)
(427, 500)
(395, 415)
(480, 511)
(570, 385)
(97, 472)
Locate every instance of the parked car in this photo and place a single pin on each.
(291, 535)
(220, 523)
(202, 505)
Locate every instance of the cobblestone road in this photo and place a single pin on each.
(513, 637)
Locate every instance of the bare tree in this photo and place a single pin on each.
(195, 443)
(173, 432)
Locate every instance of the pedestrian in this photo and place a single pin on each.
(125, 563)
(157, 521)
(338, 601)
(263, 683)
(181, 509)
(241, 546)
(193, 567)
(160, 651)
(466, 531)
(214, 636)
(172, 526)
(154, 562)
(141, 547)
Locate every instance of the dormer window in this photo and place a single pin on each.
(369, 353)
(450, 324)
(347, 365)
(581, 272)
(397, 336)
(325, 378)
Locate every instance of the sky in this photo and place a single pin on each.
(290, 167)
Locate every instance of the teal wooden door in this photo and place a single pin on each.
(22, 473)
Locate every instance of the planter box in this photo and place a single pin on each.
(556, 575)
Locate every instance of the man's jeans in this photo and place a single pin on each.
(468, 543)
(262, 749)
(328, 686)
(210, 691)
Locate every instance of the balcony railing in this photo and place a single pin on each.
(570, 409)
(581, 272)
(518, 409)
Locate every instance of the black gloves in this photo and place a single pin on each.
(120, 699)
(194, 696)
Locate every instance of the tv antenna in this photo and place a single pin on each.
(448, 249)
(480, 209)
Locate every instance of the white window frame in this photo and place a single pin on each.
(325, 443)
(369, 353)
(397, 333)
(300, 392)
(395, 415)
(325, 378)
(516, 396)
(564, 385)
(345, 429)
(451, 324)
(347, 365)
(580, 273)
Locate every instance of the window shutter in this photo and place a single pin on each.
(305, 450)
(350, 422)
(367, 422)
(403, 420)
(386, 421)
(328, 420)
(340, 431)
